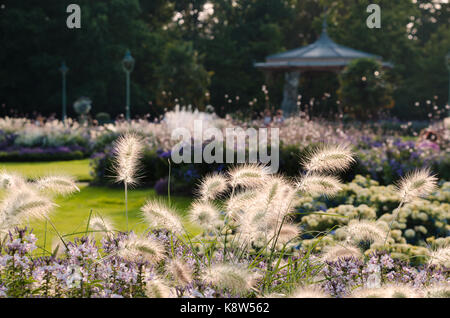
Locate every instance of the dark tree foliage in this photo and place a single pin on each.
(201, 52)
(35, 40)
(363, 89)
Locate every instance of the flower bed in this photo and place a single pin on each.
(87, 269)
(23, 140)
(383, 154)
(381, 164)
(251, 242)
(18, 154)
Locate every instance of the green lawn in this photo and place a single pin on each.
(72, 212)
(77, 168)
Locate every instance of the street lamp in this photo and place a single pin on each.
(447, 59)
(64, 69)
(128, 65)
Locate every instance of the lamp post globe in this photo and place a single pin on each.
(128, 66)
(128, 62)
(64, 69)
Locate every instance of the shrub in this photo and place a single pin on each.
(364, 90)
(42, 154)
(103, 118)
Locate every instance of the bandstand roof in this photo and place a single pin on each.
(323, 54)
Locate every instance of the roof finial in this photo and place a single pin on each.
(324, 22)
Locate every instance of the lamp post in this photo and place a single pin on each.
(64, 69)
(447, 60)
(128, 65)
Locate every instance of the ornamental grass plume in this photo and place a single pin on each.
(438, 290)
(365, 231)
(240, 202)
(10, 180)
(138, 249)
(319, 184)
(440, 257)
(159, 215)
(417, 184)
(253, 221)
(212, 186)
(180, 271)
(364, 292)
(387, 291)
(287, 233)
(23, 204)
(233, 277)
(101, 224)
(257, 229)
(253, 227)
(278, 195)
(248, 175)
(128, 150)
(205, 214)
(331, 158)
(334, 252)
(310, 291)
(59, 184)
(158, 288)
(263, 214)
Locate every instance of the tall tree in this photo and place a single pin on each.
(36, 41)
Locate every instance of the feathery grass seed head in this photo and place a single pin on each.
(24, 204)
(317, 184)
(59, 184)
(335, 252)
(229, 276)
(417, 184)
(438, 290)
(128, 150)
(240, 202)
(160, 216)
(310, 291)
(180, 271)
(365, 231)
(205, 214)
(211, 186)
(287, 233)
(440, 257)
(141, 249)
(332, 158)
(387, 291)
(157, 288)
(10, 180)
(101, 224)
(248, 175)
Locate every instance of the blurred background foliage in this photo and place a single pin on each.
(189, 54)
(364, 90)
